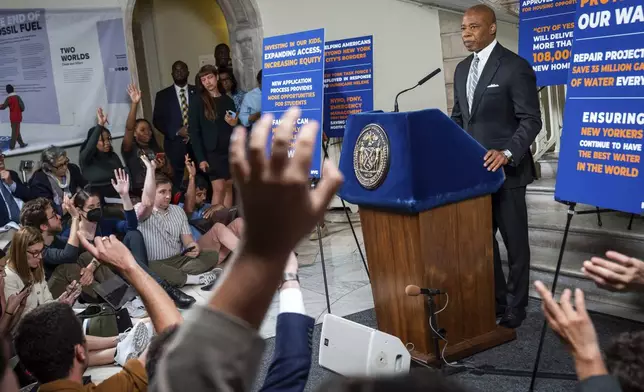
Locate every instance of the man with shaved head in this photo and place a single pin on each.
(496, 101)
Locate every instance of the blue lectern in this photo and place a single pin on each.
(426, 215)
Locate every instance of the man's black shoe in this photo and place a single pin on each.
(181, 299)
(513, 318)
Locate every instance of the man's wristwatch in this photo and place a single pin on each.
(508, 155)
(289, 277)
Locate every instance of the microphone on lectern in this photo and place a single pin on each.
(420, 83)
(414, 291)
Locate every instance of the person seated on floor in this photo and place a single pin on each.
(61, 256)
(51, 344)
(625, 360)
(13, 194)
(56, 179)
(139, 140)
(25, 270)
(219, 225)
(575, 328)
(93, 224)
(172, 250)
(98, 159)
(10, 306)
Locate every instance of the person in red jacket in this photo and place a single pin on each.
(16, 107)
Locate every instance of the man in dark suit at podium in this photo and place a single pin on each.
(496, 101)
(171, 118)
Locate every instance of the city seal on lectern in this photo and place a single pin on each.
(371, 156)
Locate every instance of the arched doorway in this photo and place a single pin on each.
(245, 35)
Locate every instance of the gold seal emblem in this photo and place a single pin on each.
(371, 156)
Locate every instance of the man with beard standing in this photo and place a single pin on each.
(171, 118)
(496, 101)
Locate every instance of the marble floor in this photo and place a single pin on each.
(348, 284)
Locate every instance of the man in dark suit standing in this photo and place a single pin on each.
(171, 118)
(496, 101)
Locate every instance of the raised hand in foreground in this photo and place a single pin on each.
(272, 189)
(575, 329)
(618, 273)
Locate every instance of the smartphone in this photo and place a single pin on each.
(231, 113)
(27, 287)
(187, 250)
(160, 156)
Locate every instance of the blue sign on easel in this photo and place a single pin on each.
(348, 81)
(545, 39)
(293, 75)
(600, 162)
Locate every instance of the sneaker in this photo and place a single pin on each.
(136, 309)
(323, 230)
(133, 345)
(210, 277)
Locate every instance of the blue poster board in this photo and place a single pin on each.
(348, 81)
(293, 75)
(601, 146)
(545, 38)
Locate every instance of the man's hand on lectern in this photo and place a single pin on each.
(574, 327)
(494, 160)
(618, 273)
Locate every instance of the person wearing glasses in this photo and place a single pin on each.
(228, 86)
(98, 159)
(57, 179)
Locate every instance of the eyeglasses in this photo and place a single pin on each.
(37, 253)
(64, 163)
(53, 216)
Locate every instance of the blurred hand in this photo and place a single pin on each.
(195, 252)
(618, 273)
(66, 203)
(71, 293)
(573, 326)
(121, 182)
(110, 250)
(149, 165)
(101, 117)
(276, 188)
(68, 206)
(15, 300)
(6, 177)
(494, 160)
(192, 170)
(183, 132)
(87, 275)
(204, 166)
(232, 121)
(134, 93)
(210, 211)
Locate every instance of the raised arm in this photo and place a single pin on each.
(271, 189)
(149, 190)
(191, 192)
(89, 151)
(130, 124)
(121, 184)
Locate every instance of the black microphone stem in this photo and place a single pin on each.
(402, 92)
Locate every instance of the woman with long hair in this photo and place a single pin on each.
(228, 86)
(25, 272)
(211, 121)
(98, 159)
(139, 140)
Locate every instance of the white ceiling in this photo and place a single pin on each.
(506, 10)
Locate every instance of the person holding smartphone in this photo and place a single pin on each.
(211, 123)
